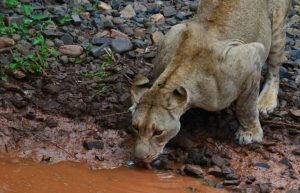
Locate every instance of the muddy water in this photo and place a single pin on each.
(23, 176)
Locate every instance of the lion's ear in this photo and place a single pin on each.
(139, 86)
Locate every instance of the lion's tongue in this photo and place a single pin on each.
(148, 166)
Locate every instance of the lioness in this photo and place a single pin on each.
(209, 62)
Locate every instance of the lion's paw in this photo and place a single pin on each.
(247, 137)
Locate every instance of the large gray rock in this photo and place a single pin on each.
(121, 45)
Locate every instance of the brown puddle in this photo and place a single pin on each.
(23, 176)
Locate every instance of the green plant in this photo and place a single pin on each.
(12, 3)
(101, 68)
(65, 20)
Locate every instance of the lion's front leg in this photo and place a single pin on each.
(247, 113)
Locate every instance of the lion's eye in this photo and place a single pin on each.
(156, 133)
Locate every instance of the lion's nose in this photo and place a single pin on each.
(141, 151)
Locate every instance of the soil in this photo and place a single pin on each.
(64, 116)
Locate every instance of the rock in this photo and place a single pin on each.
(193, 170)
(64, 59)
(157, 37)
(6, 42)
(18, 74)
(67, 39)
(262, 165)
(297, 79)
(117, 34)
(171, 21)
(50, 122)
(25, 47)
(76, 19)
(89, 145)
(250, 179)
(183, 15)
(169, 11)
(296, 151)
(138, 7)
(118, 20)
(157, 17)
(286, 162)
(100, 41)
(150, 55)
(58, 42)
(215, 171)
(295, 54)
(128, 12)
(18, 19)
(16, 37)
(50, 43)
(98, 50)
(265, 188)
(233, 176)
(71, 50)
(231, 182)
(137, 43)
(217, 160)
(51, 88)
(104, 6)
(164, 164)
(295, 113)
(121, 45)
(52, 33)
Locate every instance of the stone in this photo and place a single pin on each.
(52, 33)
(295, 112)
(217, 160)
(150, 54)
(262, 165)
(265, 188)
(98, 50)
(193, 170)
(100, 41)
(76, 19)
(18, 74)
(128, 12)
(157, 37)
(171, 21)
(138, 7)
(296, 151)
(89, 145)
(157, 17)
(16, 37)
(121, 45)
(58, 42)
(232, 176)
(104, 6)
(18, 19)
(51, 89)
(6, 42)
(117, 34)
(67, 39)
(169, 11)
(297, 79)
(64, 59)
(295, 53)
(215, 171)
(183, 15)
(71, 50)
(231, 182)
(50, 43)
(118, 20)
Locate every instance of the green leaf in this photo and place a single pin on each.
(28, 9)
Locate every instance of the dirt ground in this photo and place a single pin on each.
(62, 115)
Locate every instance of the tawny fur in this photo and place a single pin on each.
(209, 62)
